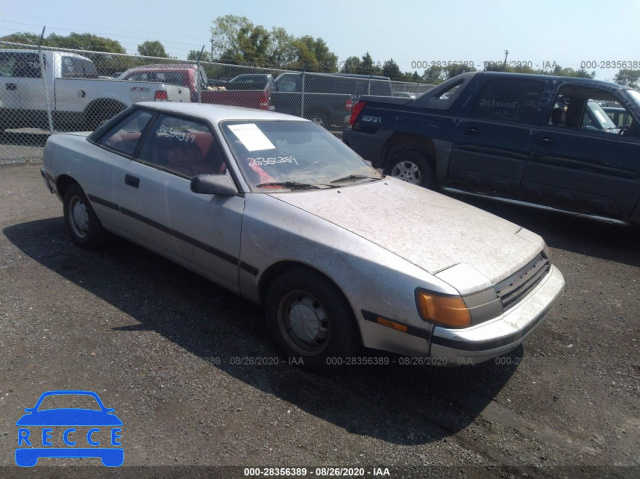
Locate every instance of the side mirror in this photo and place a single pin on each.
(220, 185)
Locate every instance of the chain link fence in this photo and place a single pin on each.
(44, 90)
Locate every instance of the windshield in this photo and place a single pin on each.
(293, 155)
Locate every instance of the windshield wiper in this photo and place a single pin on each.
(353, 177)
(293, 185)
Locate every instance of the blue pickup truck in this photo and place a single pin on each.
(537, 139)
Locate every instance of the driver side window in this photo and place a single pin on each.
(182, 146)
(589, 110)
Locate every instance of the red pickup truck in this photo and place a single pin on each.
(250, 91)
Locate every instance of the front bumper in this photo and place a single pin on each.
(500, 335)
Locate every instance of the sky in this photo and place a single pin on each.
(413, 33)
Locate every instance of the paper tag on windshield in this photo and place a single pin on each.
(252, 137)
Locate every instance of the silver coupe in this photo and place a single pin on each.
(276, 209)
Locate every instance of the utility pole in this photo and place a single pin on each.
(506, 54)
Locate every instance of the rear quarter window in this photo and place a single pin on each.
(509, 99)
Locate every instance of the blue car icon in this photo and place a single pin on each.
(28, 451)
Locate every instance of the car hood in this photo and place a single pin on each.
(427, 229)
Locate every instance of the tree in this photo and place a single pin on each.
(434, 75)
(224, 35)
(351, 65)
(237, 40)
(313, 55)
(327, 60)
(85, 41)
(74, 41)
(455, 70)
(281, 51)
(367, 67)
(253, 45)
(391, 69)
(21, 37)
(206, 56)
(152, 48)
(630, 78)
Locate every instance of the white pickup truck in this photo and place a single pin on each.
(78, 99)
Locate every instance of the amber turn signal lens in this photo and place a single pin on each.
(391, 324)
(447, 311)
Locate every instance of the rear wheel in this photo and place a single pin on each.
(311, 320)
(320, 119)
(100, 112)
(411, 166)
(82, 223)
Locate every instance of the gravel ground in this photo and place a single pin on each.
(162, 346)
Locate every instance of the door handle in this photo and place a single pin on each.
(545, 140)
(474, 130)
(11, 86)
(131, 181)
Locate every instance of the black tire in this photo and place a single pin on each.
(322, 330)
(411, 166)
(99, 113)
(320, 120)
(83, 225)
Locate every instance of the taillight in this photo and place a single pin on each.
(355, 112)
(265, 101)
(161, 95)
(348, 105)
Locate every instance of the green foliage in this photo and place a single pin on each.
(437, 74)
(152, 48)
(206, 56)
(237, 40)
(85, 41)
(367, 66)
(391, 69)
(351, 65)
(434, 75)
(630, 78)
(455, 70)
(75, 41)
(21, 37)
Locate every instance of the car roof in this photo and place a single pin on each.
(216, 113)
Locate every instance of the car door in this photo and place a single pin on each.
(159, 210)
(9, 93)
(493, 138)
(71, 94)
(31, 90)
(580, 162)
(119, 145)
(22, 88)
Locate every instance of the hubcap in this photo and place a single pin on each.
(304, 322)
(407, 171)
(79, 217)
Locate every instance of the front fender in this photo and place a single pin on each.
(370, 277)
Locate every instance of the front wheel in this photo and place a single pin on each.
(82, 223)
(411, 166)
(311, 320)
